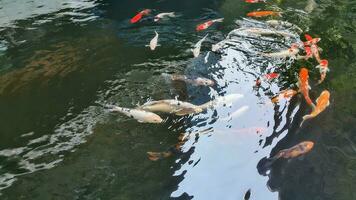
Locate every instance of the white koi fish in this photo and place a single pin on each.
(262, 31)
(140, 115)
(291, 52)
(277, 23)
(173, 106)
(197, 46)
(222, 101)
(237, 113)
(153, 42)
(163, 15)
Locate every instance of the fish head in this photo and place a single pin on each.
(205, 82)
(324, 63)
(146, 11)
(307, 145)
(153, 118)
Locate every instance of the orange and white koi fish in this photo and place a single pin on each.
(163, 15)
(263, 14)
(291, 52)
(139, 16)
(254, 1)
(285, 94)
(323, 68)
(321, 103)
(207, 24)
(304, 87)
(300, 149)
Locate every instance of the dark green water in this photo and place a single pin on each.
(60, 59)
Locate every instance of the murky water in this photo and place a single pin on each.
(61, 60)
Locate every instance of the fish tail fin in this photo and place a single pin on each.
(279, 14)
(219, 20)
(265, 164)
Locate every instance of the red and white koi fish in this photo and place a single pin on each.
(310, 40)
(323, 68)
(271, 76)
(207, 24)
(308, 53)
(139, 16)
(163, 15)
(304, 87)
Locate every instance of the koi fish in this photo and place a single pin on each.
(196, 81)
(222, 101)
(323, 68)
(153, 42)
(139, 16)
(237, 113)
(197, 46)
(293, 152)
(303, 84)
(311, 5)
(291, 52)
(263, 14)
(254, 1)
(163, 15)
(182, 139)
(171, 106)
(277, 23)
(140, 115)
(262, 31)
(321, 103)
(315, 52)
(207, 24)
(271, 76)
(285, 94)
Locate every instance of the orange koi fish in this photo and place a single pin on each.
(300, 149)
(263, 13)
(321, 103)
(139, 16)
(285, 94)
(303, 84)
(254, 1)
(207, 24)
(323, 68)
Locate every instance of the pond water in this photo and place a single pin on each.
(60, 61)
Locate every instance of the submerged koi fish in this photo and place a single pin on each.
(285, 94)
(222, 101)
(321, 103)
(293, 152)
(163, 15)
(207, 24)
(323, 68)
(140, 115)
(139, 16)
(171, 106)
(196, 81)
(291, 52)
(271, 76)
(277, 23)
(197, 46)
(304, 87)
(263, 31)
(263, 14)
(310, 40)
